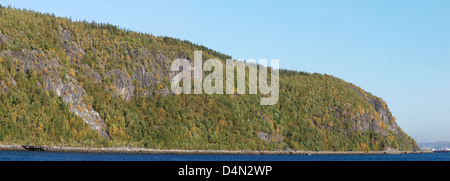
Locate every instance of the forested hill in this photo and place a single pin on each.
(88, 84)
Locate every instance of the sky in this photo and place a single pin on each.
(396, 50)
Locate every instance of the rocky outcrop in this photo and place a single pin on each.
(270, 137)
(3, 39)
(123, 84)
(148, 76)
(70, 89)
(6, 84)
(380, 122)
(73, 50)
(274, 137)
(91, 74)
(73, 94)
(385, 115)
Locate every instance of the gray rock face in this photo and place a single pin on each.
(123, 84)
(3, 38)
(73, 50)
(73, 94)
(145, 79)
(150, 78)
(385, 115)
(71, 90)
(91, 74)
(7, 83)
(368, 121)
(151, 73)
(270, 137)
(3, 86)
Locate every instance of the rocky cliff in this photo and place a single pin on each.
(117, 81)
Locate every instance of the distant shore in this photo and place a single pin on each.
(132, 150)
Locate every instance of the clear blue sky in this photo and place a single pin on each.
(397, 50)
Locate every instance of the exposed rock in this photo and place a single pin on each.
(73, 50)
(123, 84)
(164, 91)
(72, 92)
(3, 38)
(270, 137)
(3, 86)
(367, 121)
(145, 79)
(91, 74)
(385, 114)
(150, 77)
(6, 84)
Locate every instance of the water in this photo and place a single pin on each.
(63, 156)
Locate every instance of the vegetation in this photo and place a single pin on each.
(31, 115)
(314, 112)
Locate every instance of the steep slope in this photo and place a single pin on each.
(89, 84)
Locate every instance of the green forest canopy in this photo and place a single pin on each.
(305, 117)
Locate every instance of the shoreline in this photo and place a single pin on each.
(133, 150)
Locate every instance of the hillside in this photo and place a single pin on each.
(89, 84)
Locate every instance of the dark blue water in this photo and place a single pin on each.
(62, 156)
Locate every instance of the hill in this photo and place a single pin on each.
(71, 83)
